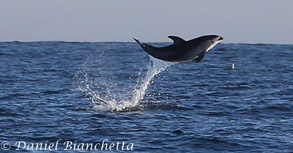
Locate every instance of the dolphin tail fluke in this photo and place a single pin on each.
(141, 44)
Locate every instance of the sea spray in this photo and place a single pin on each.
(155, 67)
(105, 92)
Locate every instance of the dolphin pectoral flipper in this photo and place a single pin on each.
(177, 40)
(199, 57)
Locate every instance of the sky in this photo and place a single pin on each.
(241, 21)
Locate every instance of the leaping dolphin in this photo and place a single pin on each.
(182, 50)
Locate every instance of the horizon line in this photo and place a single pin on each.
(67, 41)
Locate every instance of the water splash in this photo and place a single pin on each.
(155, 67)
(105, 92)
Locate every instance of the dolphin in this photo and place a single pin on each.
(182, 50)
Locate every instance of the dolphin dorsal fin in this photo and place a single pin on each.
(177, 40)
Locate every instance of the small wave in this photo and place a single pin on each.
(288, 92)
(217, 144)
(178, 132)
(12, 96)
(163, 106)
(222, 49)
(51, 92)
(260, 44)
(8, 113)
(288, 108)
(216, 113)
(5, 54)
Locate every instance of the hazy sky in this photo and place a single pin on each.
(241, 21)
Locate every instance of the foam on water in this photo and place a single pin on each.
(104, 92)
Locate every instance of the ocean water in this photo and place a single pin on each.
(104, 93)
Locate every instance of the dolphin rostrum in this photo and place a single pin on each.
(182, 50)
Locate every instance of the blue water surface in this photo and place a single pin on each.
(50, 91)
